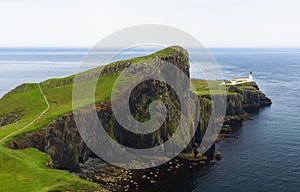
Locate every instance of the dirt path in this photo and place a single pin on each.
(33, 121)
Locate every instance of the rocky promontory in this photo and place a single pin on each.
(61, 140)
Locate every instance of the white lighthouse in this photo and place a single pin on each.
(250, 77)
(240, 80)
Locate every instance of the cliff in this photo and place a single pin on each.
(60, 138)
(239, 97)
(252, 97)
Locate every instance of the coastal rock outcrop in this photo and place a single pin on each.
(62, 141)
(252, 97)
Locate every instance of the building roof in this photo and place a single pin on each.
(237, 78)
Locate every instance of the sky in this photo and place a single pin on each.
(215, 23)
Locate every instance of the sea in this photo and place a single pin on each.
(266, 157)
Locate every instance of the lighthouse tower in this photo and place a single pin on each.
(250, 77)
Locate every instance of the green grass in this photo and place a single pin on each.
(204, 87)
(24, 170)
(24, 104)
(27, 104)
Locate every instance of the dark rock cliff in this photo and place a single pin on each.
(251, 95)
(62, 141)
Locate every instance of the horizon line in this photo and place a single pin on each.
(207, 47)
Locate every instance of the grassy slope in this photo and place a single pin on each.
(24, 170)
(201, 87)
(30, 103)
(21, 165)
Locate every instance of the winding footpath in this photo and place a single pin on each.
(33, 121)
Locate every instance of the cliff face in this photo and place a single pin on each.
(60, 140)
(251, 95)
(63, 143)
(245, 96)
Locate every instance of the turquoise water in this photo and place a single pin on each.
(265, 158)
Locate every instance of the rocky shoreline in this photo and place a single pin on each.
(113, 178)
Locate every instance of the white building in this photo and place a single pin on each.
(240, 80)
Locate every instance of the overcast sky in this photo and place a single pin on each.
(215, 23)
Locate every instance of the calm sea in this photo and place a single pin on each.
(267, 155)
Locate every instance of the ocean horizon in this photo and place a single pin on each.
(35, 64)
